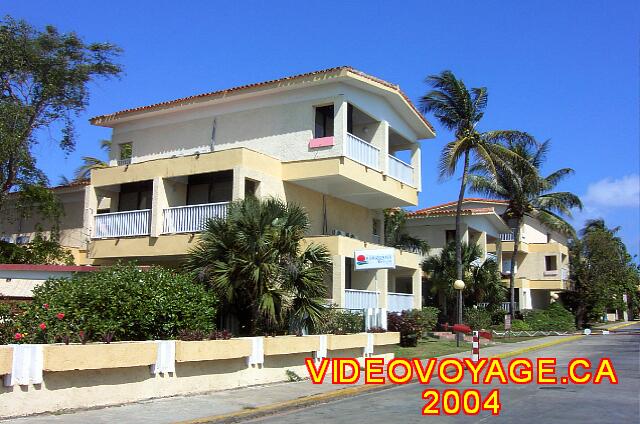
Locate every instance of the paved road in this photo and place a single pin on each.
(604, 403)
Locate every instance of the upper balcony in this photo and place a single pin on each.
(358, 158)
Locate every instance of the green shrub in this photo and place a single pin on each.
(519, 325)
(121, 302)
(341, 321)
(477, 318)
(554, 318)
(427, 318)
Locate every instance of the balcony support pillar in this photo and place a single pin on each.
(158, 204)
(90, 210)
(416, 288)
(415, 163)
(338, 286)
(340, 107)
(380, 139)
(382, 286)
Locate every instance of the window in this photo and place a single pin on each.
(375, 231)
(324, 121)
(450, 236)
(215, 187)
(348, 265)
(126, 151)
(551, 263)
(22, 239)
(135, 196)
(250, 187)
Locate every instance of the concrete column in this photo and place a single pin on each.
(158, 204)
(482, 242)
(380, 139)
(338, 286)
(525, 295)
(382, 282)
(416, 162)
(237, 191)
(499, 253)
(416, 288)
(90, 210)
(340, 123)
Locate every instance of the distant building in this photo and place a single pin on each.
(543, 258)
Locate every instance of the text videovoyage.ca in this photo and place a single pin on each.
(452, 371)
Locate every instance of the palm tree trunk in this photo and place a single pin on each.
(463, 186)
(512, 274)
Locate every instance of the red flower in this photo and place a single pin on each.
(60, 315)
(45, 306)
(18, 336)
(43, 326)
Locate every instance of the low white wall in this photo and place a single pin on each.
(73, 389)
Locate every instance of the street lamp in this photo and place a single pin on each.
(459, 286)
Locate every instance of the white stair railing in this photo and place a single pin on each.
(362, 152)
(400, 170)
(123, 224)
(190, 219)
(398, 302)
(360, 299)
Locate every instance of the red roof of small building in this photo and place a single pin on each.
(428, 210)
(48, 268)
(451, 212)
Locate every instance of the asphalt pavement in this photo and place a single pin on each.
(562, 403)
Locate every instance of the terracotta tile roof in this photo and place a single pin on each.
(72, 184)
(225, 92)
(466, 199)
(449, 212)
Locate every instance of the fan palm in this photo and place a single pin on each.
(460, 110)
(481, 277)
(89, 163)
(395, 234)
(528, 193)
(254, 261)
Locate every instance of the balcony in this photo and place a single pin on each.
(362, 152)
(398, 302)
(401, 171)
(360, 299)
(191, 219)
(123, 224)
(507, 237)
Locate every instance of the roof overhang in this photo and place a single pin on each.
(345, 74)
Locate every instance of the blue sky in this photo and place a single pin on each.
(561, 70)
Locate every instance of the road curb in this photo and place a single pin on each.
(288, 405)
(626, 324)
(340, 393)
(537, 347)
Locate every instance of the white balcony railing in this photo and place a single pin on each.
(398, 302)
(122, 224)
(190, 219)
(506, 237)
(360, 299)
(504, 306)
(400, 170)
(362, 152)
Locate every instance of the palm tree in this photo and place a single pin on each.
(253, 259)
(528, 193)
(395, 234)
(89, 162)
(481, 277)
(460, 110)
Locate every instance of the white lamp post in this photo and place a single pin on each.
(459, 286)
